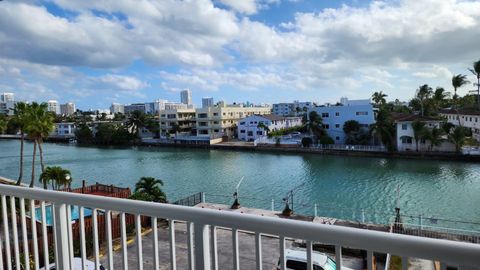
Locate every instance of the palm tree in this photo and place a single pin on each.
(434, 136)
(40, 125)
(379, 98)
(418, 131)
(439, 97)
(136, 121)
(264, 127)
(149, 189)
(424, 92)
(384, 129)
(21, 119)
(457, 82)
(57, 176)
(476, 71)
(457, 137)
(3, 124)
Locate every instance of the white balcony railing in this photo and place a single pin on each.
(202, 225)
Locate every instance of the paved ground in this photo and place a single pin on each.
(224, 237)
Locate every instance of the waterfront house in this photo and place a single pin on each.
(405, 135)
(252, 127)
(175, 122)
(468, 118)
(335, 116)
(64, 129)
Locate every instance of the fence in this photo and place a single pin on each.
(191, 200)
(346, 147)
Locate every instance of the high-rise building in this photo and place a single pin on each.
(186, 97)
(207, 102)
(7, 97)
(67, 108)
(160, 105)
(135, 107)
(117, 108)
(53, 106)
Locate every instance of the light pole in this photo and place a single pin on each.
(236, 204)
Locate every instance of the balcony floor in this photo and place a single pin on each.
(270, 250)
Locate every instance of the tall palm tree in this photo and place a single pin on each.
(149, 189)
(424, 92)
(40, 125)
(439, 97)
(458, 81)
(136, 121)
(384, 129)
(57, 176)
(418, 131)
(379, 98)
(476, 71)
(21, 120)
(457, 137)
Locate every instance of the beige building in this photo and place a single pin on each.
(177, 121)
(222, 120)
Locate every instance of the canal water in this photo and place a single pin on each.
(341, 187)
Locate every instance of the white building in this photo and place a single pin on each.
(177, 106)
(186, 97)
(249, 129)
(207, 102)
(53, 106)
(160, 105)
(7, 103)
(117, 108)
(405, 138)
(465, 118)
(335, 116)
(135, 107)
(177, 122)
(222, 120)
(292, 109)
(68, 108)
(64, 129)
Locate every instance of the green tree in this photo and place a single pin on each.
(315, 124)
(21, 120)
(458, 81)
(378, 98)
(424, 92)
(83, 134)
(56, 176)
(476, 71)
(419, 128)
(264, 127)
(384, 129)
(440, 98)
(3, 124)
(149, 189)
(457, 137)
(40, 125)
(434, 136)
(136, 122)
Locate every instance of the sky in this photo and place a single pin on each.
(95, 52)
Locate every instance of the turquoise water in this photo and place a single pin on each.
(340, 186)
(75, 210)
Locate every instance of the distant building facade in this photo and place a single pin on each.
(255, 126)
(64, 129)
(7, 103)
(53, 106)
(186, 97)
(335, 116)
(128, 109)
(222, 120)
(294, 108)
(207, 102)
(465, 118)
(117, 108)
(176, 122)
(68, 108)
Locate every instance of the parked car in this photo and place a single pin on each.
(77, 265)
(296, 259)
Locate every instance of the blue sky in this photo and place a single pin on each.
(264, 51)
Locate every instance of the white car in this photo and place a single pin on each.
(77, 265)
(296, 259)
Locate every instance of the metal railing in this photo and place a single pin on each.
(201, 226)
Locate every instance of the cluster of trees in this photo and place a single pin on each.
(125, 131)
(149, 189)
(35, 123)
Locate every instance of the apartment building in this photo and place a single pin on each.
(252, 127)
(7, 103)
(117, 108)
(178, 122)
(335, 116)
(67, 108)
(53, 106)
(465, 118)
(222, 120)
(294, 108)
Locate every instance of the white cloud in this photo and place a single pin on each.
(243, 6)
(120, 82)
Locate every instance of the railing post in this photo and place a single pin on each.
(61, 231)
(202, 247)
(315, 210)
(273, 205)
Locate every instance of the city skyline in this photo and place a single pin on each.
(97, 53)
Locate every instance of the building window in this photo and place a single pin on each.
(242, 123)
(250, 133)
(407, 140)
(337, 125)
(337, 114)
(404, 126)
(202, 115)
(361, 113)
(423, 141)
(337, 138)
(259, 132)
(327, 126)
(325, 115)
(215, 114)
(242, 131)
